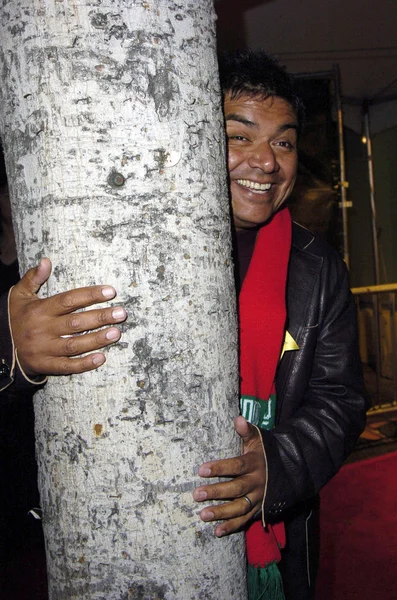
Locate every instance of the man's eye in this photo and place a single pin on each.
(238, 138)
(285, 144)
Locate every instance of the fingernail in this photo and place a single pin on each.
(108, 292)
(112, 334)
(118, 313)
(98, 359)
(220, 532)
(200, 495)
(204, 471)
(207, 515)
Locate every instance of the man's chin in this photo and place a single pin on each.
(251, 221)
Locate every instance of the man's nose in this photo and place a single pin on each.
(263, 157)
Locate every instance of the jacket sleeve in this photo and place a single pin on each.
(10, 371)
(6, 348)
(326, 389)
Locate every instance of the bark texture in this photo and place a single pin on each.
(111, 122)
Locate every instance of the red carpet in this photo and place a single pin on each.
(359, 532)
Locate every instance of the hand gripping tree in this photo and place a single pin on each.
(112, 127)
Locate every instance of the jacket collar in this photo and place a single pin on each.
(302, 238)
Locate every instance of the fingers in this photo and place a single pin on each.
(228, 467)
(57, 357)
(74, 366)
(248, 479)
(67, 302)
(88, 342)
(222, 490)
(244, 429)
(236, 508)
(63, 303)
(251, 485)
(235, 515)
(249, 434)
(33, 279)
(87, 321)
(50, 337)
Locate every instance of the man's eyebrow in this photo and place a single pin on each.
(287, 126)
(244, 121)
(240, 119)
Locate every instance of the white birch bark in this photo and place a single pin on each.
(111, 120)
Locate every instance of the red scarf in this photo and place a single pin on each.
(262, 312)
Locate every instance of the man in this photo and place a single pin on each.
(301, 380)
(32, 345)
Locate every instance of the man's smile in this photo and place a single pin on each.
(254, 185)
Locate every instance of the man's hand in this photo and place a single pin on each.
(38, 325)
(248, 473)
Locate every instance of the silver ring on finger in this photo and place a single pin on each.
(248, 500)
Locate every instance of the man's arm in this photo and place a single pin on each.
(40, 335)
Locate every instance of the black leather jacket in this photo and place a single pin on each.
(321, 403)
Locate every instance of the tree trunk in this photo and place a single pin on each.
(113, 135)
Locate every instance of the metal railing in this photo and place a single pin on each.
(376, 308)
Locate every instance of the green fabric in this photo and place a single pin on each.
(259, 412)
(265, 584)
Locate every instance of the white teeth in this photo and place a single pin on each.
(253, 185)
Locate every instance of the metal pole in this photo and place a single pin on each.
(375, 300)
(342, 168)
(394, 344)
(367, 130)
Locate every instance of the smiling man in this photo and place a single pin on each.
(262, 146)
(303, 402)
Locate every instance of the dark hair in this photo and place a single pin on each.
(256, 73)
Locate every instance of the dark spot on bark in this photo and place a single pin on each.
(99, 21)
(103, 232)
(73, 446)
(150, 590)
(118, 31)
(179, 17)
(18, 29)
(98, 429)
(205, 536)
(164, 89)
(161, 156)
(115, 511)
(160, 272)
(143, 351)
(83, 100)
(116, 179)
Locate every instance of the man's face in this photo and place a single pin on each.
(262, 156)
